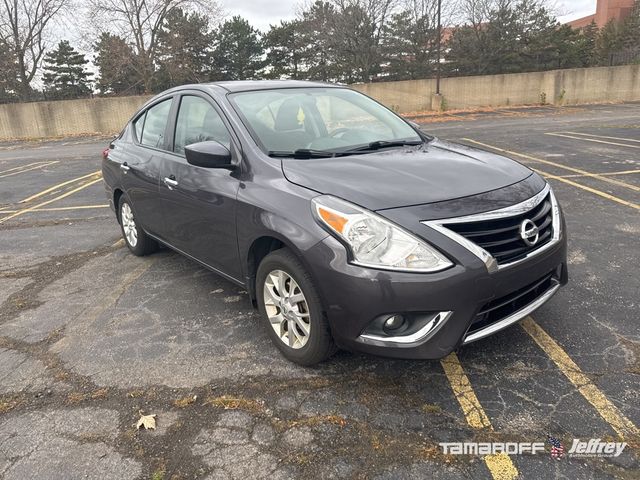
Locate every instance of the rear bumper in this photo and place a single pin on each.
(353, 297)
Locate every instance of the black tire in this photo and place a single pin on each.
(320, 345)
(145, 245)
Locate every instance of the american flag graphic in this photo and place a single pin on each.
(557, 450)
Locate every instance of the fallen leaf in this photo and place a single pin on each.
(147, 421)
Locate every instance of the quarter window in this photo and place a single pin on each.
(155, 124)
(197, 122)
(137, 127)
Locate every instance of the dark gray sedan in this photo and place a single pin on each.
(348, 226)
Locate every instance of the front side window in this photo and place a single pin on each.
(328, 119)
(197, 122)
(155, 124)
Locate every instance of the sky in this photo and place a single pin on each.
(262, 13)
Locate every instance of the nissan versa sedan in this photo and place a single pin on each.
(348, 226)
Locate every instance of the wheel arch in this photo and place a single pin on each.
(261, 247)
(117, 193)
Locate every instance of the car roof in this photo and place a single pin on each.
(249, 85)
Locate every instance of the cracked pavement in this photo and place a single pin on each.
(91, 337)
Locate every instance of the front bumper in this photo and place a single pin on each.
(353, 296)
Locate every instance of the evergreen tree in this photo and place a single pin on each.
(517, 37)
(631, 29)
(409, 42)
(610, 42)
(589, 43)
(283, 44)
(116, 66)
(9, 85)
(318, 45)
(65, 75)
(184, 50)
(238, 52)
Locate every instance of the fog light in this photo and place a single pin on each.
(393, 323)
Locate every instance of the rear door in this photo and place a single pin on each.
(142, 165)
(199, 204)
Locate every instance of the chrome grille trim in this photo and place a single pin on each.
(523, 207)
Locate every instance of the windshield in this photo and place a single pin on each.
(320, 120)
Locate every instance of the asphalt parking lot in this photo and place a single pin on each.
(91, 337)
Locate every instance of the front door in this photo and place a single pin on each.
(199, 204)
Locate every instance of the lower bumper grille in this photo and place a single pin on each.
(504, 311)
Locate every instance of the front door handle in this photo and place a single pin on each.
(124, 167)
(170, 182)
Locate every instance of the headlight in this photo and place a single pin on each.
(374, 241)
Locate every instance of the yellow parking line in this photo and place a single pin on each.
(32, 166)
(60, 197)
(607, 410)
(589, 189)
(558, 165)
(500, 465)
(55, 187)
(604, 136)
(624, 172)
(593, 140)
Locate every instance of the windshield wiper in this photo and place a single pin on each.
(378, 144)
(302, 153)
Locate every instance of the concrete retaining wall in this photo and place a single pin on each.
(67, 117)
(560, 87)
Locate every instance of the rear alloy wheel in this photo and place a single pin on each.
(291, 309)
(136, 239)
(129, 225)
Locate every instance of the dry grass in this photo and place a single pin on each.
(76, 397)
(229, 402)
(9, 404)
(434, 452)
(185, 401)
(430, 408)
(318, 420)
(100, 393)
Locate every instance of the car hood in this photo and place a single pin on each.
(399, 177)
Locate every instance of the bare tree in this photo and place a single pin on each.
(23, 29)
(140, 22)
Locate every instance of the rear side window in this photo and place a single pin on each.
(197, 122)
(155, 124)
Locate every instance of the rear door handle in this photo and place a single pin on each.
(124, 167)
(170, 182)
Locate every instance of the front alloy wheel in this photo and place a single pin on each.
(287, 309)
(291, 309)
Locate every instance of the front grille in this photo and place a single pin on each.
(502, 307)
(501, 236)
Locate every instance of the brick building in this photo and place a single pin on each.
(606, 10)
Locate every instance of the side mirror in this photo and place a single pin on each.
(414, 125)
(210, 154)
